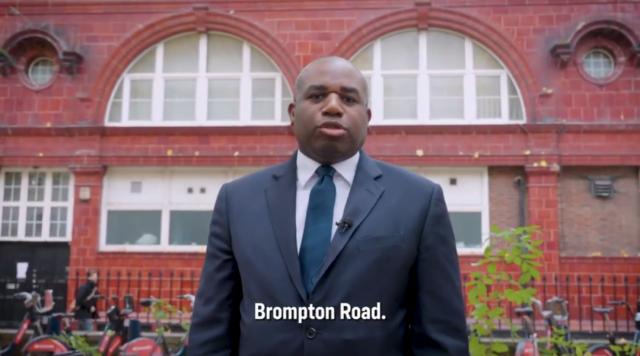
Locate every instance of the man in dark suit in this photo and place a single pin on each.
(331, 253)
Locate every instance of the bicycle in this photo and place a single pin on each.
(30, 320)
(528, 345)
(554, 316)
(606, 350)
(48, 342)
(157, 346)
(120, 328)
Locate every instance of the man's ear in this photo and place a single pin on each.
(291, 109)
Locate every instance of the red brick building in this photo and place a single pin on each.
(119, 120)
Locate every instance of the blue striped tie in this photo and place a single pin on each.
(317, 228)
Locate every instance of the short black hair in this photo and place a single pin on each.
(298, 85)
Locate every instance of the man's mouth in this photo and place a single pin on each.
(332, 128)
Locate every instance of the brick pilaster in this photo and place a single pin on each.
(86, 220)
(542, 185)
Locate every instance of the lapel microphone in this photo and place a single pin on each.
(344, 224)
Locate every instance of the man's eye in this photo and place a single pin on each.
(315, 96)
(350, 100)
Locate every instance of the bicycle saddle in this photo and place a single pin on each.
(528, 311)
(146, 302)
(125, 312)
(602, 310)
(46, 311)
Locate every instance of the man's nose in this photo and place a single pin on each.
(333, 105)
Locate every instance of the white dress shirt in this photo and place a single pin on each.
(307, 178)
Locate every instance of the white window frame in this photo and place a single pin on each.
(469, 74)
(47, 204)
(483, 173)
(202, 87)
(231, 173)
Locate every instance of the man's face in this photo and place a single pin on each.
(93, 277)
(330, 116)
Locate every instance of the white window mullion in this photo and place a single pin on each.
(22, 217)
(166, 207)
(504, 97)
(423, 85)
(245, 85)
(202, 85)
(46, 204)
(157, 96)
(126, 99)
(377, 85)
(278, 99)
(470, 101)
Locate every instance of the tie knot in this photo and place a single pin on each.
(325, 171)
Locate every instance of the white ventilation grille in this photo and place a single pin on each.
(136, 187)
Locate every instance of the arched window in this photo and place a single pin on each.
(195, 79)
(437, 77)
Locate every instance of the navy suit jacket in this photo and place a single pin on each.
(399, 251)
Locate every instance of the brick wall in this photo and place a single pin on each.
(610, 227)
(62, 124)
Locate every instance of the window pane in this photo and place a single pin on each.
(181, 54)
(444, 51)
(189, 227)
(446, 97)
(115, 111)
(483, 59)
(58, 223)
(400, 98)
(133, 227)
(400, 51)
(140, 102)
(36, 186)
(12, 182)
(224, 99)
(9, 227)
(368, 79)
(33, 226)
(224, 54)
(146, 63)
(263, 93)
(60, 187)
(260, 63)
(364, 59)
(516, 112)
(180, 100)
(467, 228)
(287, 98)
(488, 97)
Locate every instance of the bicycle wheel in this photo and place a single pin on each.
(601, 350)
(526, 348)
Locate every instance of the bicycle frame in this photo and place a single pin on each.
(120, 329)
(29, 316)
(46, 342)
(143, 346)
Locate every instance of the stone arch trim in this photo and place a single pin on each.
(422, 17)
(200, 20)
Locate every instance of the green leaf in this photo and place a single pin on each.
(499, 347)
(524, 278)
(492, 268)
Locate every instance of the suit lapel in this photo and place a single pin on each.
(281, 199)
(364, 195)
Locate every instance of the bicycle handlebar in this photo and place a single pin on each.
(190, 297)
(24, 295)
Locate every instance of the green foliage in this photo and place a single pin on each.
(161, 309)
(493, 287)
(78, 343)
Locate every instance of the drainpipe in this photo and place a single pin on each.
(522, 186)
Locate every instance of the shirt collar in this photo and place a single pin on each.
(306, 168)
